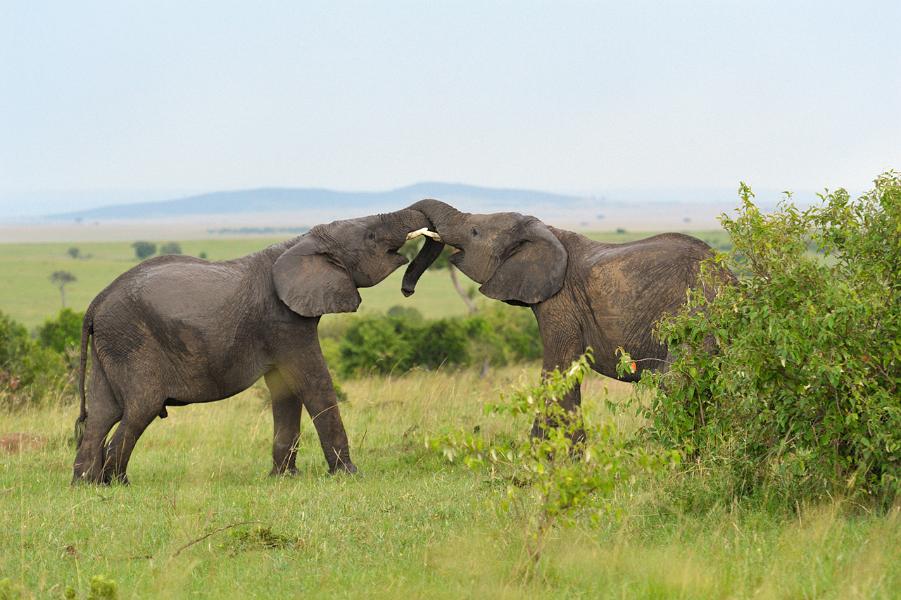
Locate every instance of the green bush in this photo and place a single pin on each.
(788, 380)
(144, 249)
(62, 333)
(402, 341)
(555, 478)
(29, 372)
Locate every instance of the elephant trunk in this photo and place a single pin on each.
(429, 254)
(441, 216)
(410, 219)
(437, 212)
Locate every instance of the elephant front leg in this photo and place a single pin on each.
(314, 386)
(286, 407)
(560, 350)
(322, 404)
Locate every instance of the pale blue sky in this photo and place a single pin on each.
(152, 97)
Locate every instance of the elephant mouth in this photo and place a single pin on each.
(456, 257)
(395, 254)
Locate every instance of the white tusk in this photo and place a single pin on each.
(424, 231)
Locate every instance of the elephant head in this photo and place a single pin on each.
(515, 257)
(321, 271)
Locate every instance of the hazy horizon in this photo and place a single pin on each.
(158, 101)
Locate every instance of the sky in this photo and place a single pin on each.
(129, 101)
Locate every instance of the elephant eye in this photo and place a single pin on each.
(370, 236)
(475, 232)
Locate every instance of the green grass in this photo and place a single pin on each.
(27, 295)
(410, 526)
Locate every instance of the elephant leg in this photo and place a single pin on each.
(135, 420)
(561, 348)
(286, 408)
(103, 412)
(312, 382)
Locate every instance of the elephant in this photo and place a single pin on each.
(177, 330)
(583, 293)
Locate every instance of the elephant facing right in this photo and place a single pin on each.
(582, 292)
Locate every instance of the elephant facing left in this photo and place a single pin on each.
(177, 330)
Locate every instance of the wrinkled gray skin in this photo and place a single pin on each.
(583, 293)
(177, 330)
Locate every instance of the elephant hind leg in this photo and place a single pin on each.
(286, 407)
(103, 412)
(141, 409)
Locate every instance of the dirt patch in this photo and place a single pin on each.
(14, 443)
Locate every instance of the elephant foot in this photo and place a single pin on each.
(86, 479)
(283, 471)
(89, 476)
(345, 467)
(120, 479)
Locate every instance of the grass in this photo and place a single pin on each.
(27, 295)
(201, 517)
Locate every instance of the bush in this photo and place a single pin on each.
(788, 380)
(555, 478)
(144, 249)
(29, 372)
(63, 333)
(403, 340)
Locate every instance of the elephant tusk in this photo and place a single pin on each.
(424, 231)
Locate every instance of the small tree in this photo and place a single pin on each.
(61, 279)
(74, 252)
(554, 479)
(170, 248)
(144, 249)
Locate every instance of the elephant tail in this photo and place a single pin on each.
(87, 328)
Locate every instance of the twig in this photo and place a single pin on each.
(205, 536)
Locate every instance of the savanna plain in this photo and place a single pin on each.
(203, 519)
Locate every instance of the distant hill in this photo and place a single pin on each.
(285, 200)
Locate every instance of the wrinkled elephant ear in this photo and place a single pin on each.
(533, 269)
(313, 283)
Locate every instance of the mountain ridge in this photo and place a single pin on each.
(288, 199)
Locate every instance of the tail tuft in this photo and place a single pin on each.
(79, 430)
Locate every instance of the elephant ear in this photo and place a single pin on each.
(533, 269)
(313, 283)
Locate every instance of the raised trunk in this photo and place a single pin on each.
(441, 216)
(430, 252)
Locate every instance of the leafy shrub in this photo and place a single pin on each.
(29, 372)
(62, 333)
(502, 335)
(553, 479)
(144, 249)
(386, 344)
(799, 395)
